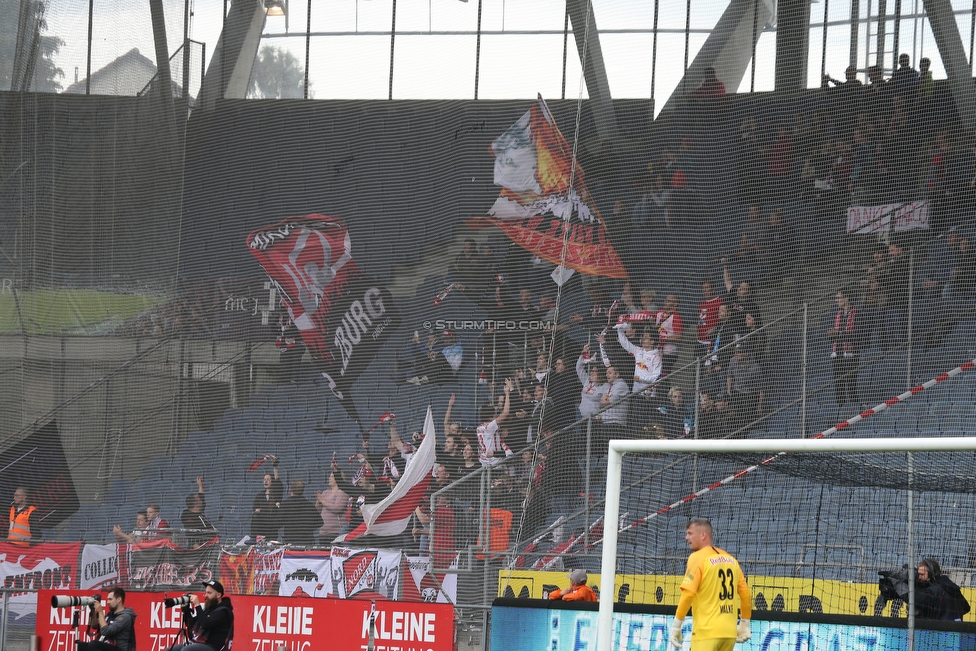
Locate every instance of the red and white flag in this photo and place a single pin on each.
(544, 205)
(342, 315)
(391, 516)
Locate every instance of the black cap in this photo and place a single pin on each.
(216, 585)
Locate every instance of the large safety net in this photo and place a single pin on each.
(236, 245)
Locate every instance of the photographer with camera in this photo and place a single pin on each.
(936, 595)
(116, 628)
(208, 626)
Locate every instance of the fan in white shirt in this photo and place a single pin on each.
(647, 358)
(490, 440)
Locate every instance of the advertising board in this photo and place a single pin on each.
(562, 629)
(266, 623)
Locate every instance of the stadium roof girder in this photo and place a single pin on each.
(229, 71)
(728, 48)
(594, 71)
(946, 31)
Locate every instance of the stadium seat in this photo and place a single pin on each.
(941, 408)
(255, 413)
(99, 523)
(287, 450)
(259, 400)
(286, 425)
(236, 472)
(950, 422)
(71, 533)
(117, 492)
(907, 422)
(171, 474)
(152, 472)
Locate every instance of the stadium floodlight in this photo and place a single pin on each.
(275, 7)
(775, 448)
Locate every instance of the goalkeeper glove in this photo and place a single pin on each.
(676, 633)
(743, 631)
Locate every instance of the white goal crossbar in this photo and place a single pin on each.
(776, 447)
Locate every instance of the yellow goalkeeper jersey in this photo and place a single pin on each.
(714, 578)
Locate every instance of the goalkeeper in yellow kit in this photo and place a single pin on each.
(712, 580)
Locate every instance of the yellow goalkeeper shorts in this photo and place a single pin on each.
(713, 644)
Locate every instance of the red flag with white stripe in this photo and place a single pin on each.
(391, 516)
(544, 205)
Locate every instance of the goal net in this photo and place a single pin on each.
(812, 522)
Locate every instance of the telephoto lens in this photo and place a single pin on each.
(62, 601)
(177, 601)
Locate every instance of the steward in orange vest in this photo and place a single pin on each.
(578, 590)
(20, 519)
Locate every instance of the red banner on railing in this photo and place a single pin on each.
(47, 565)
(267, 623)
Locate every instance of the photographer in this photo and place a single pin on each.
(936, 596)
(116, 628)
(210, 625)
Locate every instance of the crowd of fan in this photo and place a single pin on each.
(878, 143)
(886, 141)
(195, 528)
(546, 379)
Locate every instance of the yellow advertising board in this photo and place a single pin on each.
(768, 592)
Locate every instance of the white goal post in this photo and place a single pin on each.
(618, 448)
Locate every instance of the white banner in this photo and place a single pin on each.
(430, 587)
(100, 565)
(367, 573)
(305, 574)
(862, 220)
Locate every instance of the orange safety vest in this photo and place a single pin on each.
(20, 533)
(498, 525)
